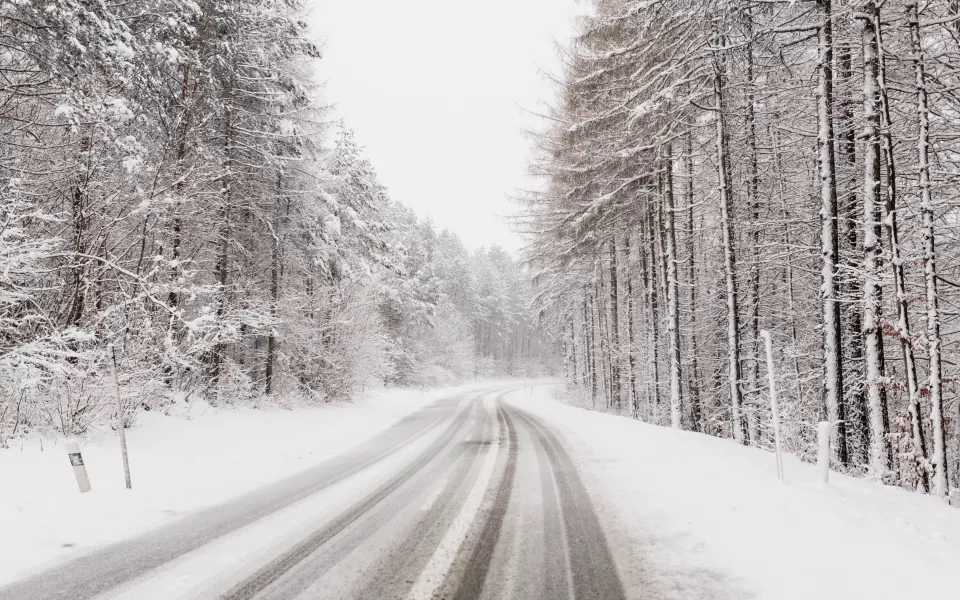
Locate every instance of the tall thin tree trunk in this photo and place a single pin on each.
(631, 348)
(929, 256)
(614, 321)
(660, 251)
(274, 290)
(606, 345)
(650, 285)
(832, 342)
(788, 267)
(588, 346)
(574, 363)
(177, 224)
(80, 223)
(695, 410)
(673, 309)
(729, 256)
(890, 218)
(223, 247)
(855, 401)
(753, 207)
(878, 463)
(596, 365)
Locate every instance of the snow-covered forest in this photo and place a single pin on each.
(716, 168)
(171, 183)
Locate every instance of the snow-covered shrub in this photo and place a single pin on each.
(235, 386)
(335, 349)
(444, 353)
(486, 366)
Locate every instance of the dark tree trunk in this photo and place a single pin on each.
(614, 323)
(695, 409)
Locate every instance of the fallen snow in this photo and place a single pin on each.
(206, 571)
(197, 458)
(428, 585)
(692, 516)
(688, 516)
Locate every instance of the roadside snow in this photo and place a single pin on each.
(691, 516)
(198, 458)
(688, 516)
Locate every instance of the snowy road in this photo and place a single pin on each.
(471, 497)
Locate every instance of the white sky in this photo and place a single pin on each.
(435, 90)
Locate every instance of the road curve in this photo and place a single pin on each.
(470, 498)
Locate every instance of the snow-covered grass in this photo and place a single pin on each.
(701, 517)
(197, 457)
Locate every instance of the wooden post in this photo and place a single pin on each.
(824, 431)
(775, 409)
(123, 435)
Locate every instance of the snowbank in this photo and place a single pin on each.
(198, 458)
(700, 517)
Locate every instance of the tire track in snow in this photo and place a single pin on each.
(106, 568)
(593, 571)
(275, 569)
(470, 584)
(433, 576)
(391, 573)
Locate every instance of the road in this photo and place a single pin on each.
(469, 498)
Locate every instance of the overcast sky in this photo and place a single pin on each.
(435, 90)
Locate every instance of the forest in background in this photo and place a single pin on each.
(716, 168)
(172, 184)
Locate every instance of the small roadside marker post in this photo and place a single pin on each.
(123, 435)
(823, 456)
(775, 409)
(79, 470)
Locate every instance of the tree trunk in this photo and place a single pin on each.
(80, 222)
(588, 347)
(650, 285)
(592, 345)
(614, 323)
(855, 401)
(729, 256)
(788, 267)
(673, 309)
(631, 348)
(177, 224)
(829, 242)
(274, 291)
(929, 257)
(753, 207)
(878, 464)
(918, 449)
(695, 410)
(574, 370)
(603, 315)
(223, 247)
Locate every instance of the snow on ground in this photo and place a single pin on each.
(688, 516)
(198, 458)
(700, 517)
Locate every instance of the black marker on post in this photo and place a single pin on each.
(76, 461)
